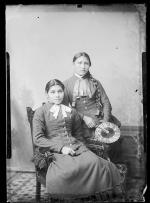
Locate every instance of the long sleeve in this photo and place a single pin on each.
(105, 103)
(39, 133)
(68, 91)
(66, 100)
(77, 127)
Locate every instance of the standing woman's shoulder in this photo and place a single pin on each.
(68, 81)
(95, 80)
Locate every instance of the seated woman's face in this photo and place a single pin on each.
(81, 65)
(55, 94)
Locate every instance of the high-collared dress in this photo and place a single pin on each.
(81, 175)
(84, 91)
(80, 92)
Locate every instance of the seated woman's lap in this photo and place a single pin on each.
(71, 165)
(86, 172)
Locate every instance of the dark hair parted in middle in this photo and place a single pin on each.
(53, 83)
(82, 54)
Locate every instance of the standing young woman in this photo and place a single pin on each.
(75, 171)
(87, 96)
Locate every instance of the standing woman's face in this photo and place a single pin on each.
(55, 94)
(81, 65)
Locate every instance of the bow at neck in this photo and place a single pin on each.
(83, 86)
(56, 108)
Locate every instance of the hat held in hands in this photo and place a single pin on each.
(107, 132)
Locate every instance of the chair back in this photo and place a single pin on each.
(30, 114)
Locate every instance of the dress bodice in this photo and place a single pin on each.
(60, 128)
(57, 132)
(90, 106)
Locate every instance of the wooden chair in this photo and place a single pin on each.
(40, 177)
(30, 114)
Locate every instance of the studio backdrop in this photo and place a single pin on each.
(41, 42)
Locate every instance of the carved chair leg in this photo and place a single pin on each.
(38, 191)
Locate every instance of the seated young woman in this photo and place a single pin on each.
(76, 171)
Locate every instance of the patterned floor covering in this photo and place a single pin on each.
(21, 188)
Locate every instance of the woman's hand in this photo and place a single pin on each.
(68, 150)
(89, 121)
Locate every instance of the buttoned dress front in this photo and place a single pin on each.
(85, 103)
(79, 175)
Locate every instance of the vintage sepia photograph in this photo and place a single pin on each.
(76, 103)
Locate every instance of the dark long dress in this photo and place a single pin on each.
(81, 175)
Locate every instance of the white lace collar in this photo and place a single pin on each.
(56, 108)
